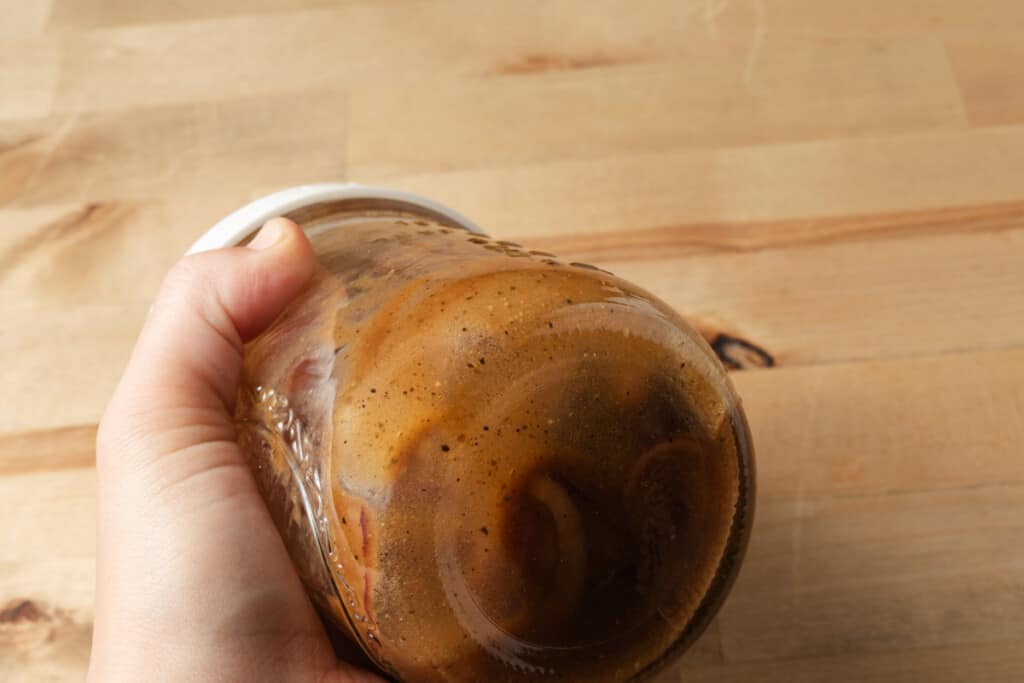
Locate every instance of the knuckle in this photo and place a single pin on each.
(188, 285)
(188, 274)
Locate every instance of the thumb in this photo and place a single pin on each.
(179, 388)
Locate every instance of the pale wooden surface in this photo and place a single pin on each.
(840, 184)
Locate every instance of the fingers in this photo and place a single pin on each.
(192, 576)
(188, 357)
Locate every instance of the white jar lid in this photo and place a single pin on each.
(234, 228)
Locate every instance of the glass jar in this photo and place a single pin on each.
(487, 463)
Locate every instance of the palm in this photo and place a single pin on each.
(214, 548)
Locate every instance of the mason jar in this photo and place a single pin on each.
(488, 463)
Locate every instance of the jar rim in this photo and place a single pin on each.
(240, 224)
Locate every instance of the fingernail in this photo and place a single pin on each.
(268, 236)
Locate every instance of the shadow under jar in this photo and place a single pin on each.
(489, 465)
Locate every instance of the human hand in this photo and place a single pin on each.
(193, 581)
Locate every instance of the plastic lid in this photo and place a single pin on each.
(237, 226)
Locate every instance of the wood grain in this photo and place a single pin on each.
(24, 19)
(986, 68)
(820, 93)
(46, 619)
(969, 663)
(182, 148)
(29, 69)
(356, 43)
(907, 299)
(832, 192)
(889, 179)
(55, 449)
(853, 538)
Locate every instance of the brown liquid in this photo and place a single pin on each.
(525, 468)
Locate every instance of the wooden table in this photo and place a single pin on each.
(838, 185)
